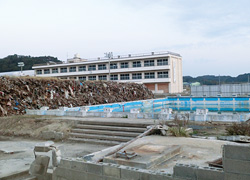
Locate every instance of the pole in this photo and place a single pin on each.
(219, 84)
(109, 70)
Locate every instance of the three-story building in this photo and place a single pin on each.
(160, 72)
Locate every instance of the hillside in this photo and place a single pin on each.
(18, 94)
(214, 80)
(9, 63)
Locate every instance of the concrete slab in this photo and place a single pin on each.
(148, 155)
(194, 151)
(21, 154)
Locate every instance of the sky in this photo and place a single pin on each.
(212, 36)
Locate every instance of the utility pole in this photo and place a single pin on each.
(109, 55)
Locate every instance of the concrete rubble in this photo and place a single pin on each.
(18, 94)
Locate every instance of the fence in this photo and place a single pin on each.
(225, 90)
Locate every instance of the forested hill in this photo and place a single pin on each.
(214, 80)
(9, 63)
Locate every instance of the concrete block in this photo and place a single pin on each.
(185, 171)
(130, 173)
(108, 110)
(132, 116)
(112, 170)
(62, 172)
(74, 113)
(166, 111)
(151, 175)
(55, 112)
(160, 176)
(236, 166)
(65, 163)
(209, 173)
(79, 166)
(238, 152)
(44, 108)
(136, 110)
(84, 109)
(90, 176)
(94, 168)
(201, 111)
(39, 166)
(234, 176)
(63, 108)
(78, 175)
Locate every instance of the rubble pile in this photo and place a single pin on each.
(18, 94)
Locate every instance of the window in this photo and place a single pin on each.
(103, 77)
(55, 70)
(136, 76)
(82, 68)
(113, 66)
(92, 78)
(162, 74)
(39, 71)
(162, 62)
(124, 65)
(46, 71)
(113, 77)
(64, 70)
(82, 78)
(124, 76)
(150, 75)
(72, 69)
(137, 64)
(149, 63)
(92, 68)
(101, 66)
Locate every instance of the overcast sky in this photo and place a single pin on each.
(212, 36)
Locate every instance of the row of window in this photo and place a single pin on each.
(147, 63)
(114, 77)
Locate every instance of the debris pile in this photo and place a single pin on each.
(18, 94)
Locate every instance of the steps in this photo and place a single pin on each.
(106, 133)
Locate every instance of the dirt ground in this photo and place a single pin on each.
(28, 126)
(31, 126)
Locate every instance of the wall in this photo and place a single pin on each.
(225, 90)
(236, 166)
(80, 170)
(230, 104)
(176, 85)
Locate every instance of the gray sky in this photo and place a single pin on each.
(213, 36)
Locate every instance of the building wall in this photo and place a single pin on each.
(163, 87)
(169, 84)
(176, 85)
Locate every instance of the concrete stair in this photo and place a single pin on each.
(106, 133)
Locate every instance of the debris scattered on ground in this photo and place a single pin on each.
(20, 93)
